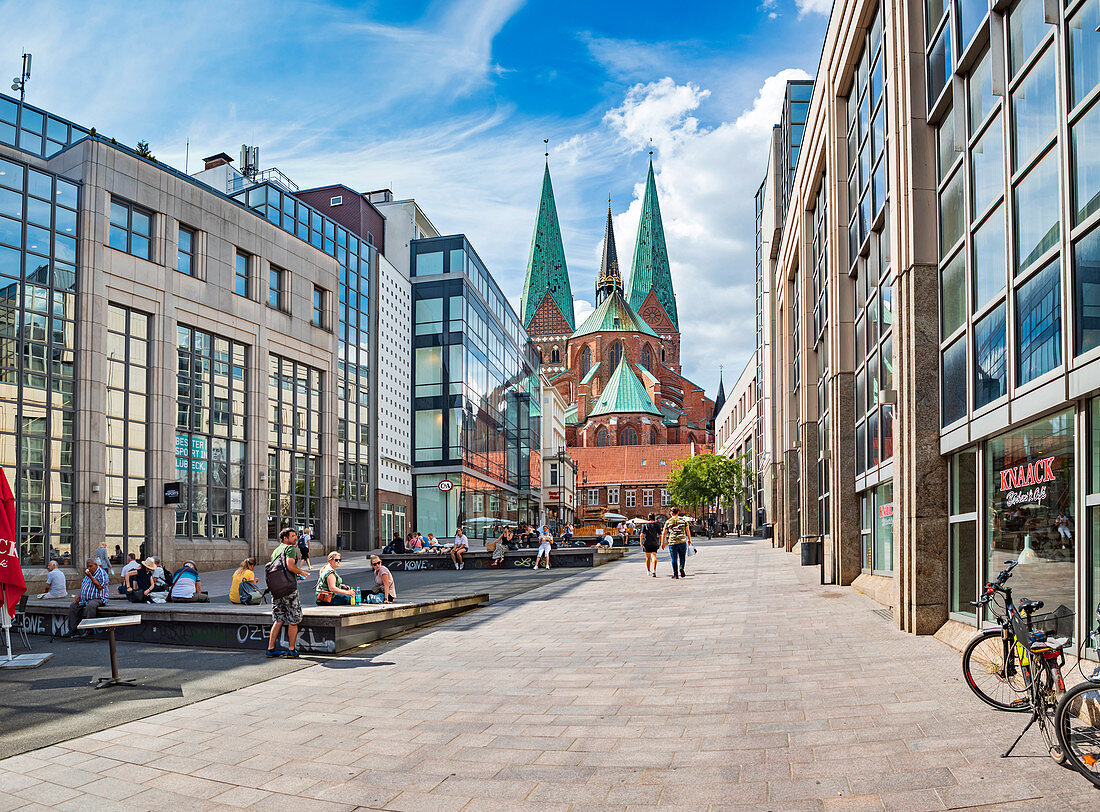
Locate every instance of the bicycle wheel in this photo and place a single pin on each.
(1077, 725)
(994, 680)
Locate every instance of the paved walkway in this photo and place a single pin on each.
(744, 686)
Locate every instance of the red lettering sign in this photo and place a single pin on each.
(1033, 473)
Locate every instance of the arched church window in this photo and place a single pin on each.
(662, 355)
(586, 360)
(541, 359)
(614, 357)
(602, 437)
(653, 435)
(555, 356)
(628, 436)
(647, 357)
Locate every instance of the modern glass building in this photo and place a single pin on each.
(476, 410)
(938, 278)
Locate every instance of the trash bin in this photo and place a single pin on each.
(811, 552)
(767, 531)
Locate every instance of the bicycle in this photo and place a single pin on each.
(990, 662)
(1030, 662)
(1077, 721)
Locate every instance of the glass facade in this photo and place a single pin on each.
(211, 425)
(1025, 255)
(127, 433)
(356, 259)
(476, 411)
(294, 454)
(34, 130)
(870, 263)
(38, 247)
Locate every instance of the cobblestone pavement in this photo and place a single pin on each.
(744, 686)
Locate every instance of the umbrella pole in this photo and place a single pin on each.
(7, 625)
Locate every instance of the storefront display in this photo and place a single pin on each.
(1029, 503)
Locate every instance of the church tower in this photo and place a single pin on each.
(546, 307)
(609, 279)
(650, 289)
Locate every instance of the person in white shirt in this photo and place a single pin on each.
(462, 544)
(546, 543)
(622, 530)
(131, 565)
(55, 582)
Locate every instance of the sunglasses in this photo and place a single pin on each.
(337, 559)
(376, 563)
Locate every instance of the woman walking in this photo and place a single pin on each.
(651, 543)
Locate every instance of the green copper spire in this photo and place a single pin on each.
(650, 270)
(546, 269)
(609, 279)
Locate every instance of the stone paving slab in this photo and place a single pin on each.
(745, 686)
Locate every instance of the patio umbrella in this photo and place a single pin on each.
(11, 573)
(614, 517)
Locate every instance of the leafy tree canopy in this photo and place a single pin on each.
(707, 479)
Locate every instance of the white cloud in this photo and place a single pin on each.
(814, 7)
(706, 179)
(582, 309)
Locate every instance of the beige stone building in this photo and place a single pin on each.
(179, 375)
(935, 274)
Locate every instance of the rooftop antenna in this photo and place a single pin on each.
(186, 154)
(20, 83)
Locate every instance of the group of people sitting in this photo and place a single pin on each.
(329, 591)
(148, 581)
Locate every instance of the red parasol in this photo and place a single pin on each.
(11, 573)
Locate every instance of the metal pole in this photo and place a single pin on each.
(114, 654)
(7, 621)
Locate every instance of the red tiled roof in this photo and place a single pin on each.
(634, 464)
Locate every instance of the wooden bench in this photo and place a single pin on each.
(109, 624)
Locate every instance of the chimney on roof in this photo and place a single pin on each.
(217, 160)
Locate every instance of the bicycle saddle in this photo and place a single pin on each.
(1030, 606)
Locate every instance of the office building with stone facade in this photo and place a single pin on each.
(735, 425)
(935, 288)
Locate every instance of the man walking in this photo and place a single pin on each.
(288, 609)
(677, 534)
(93, 594)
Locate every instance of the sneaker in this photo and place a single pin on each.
(292, 654)
(683, 574)
(462, 566)
(456, 566)
(654, 574)
(274, 652)
(674, 577)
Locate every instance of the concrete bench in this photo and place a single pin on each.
(323, 630)
(565, 557)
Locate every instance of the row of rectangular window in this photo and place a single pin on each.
(630, 497)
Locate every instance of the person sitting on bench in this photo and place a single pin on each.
(92, 595)
(329, 581)
(140, 582)
(186, 585)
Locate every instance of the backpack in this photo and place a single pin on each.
(249, 594)
(281, 582)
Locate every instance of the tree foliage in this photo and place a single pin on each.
(706, 479)
(143, 150)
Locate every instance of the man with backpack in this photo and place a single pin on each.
(288, 608)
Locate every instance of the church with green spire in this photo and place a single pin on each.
(619, 370)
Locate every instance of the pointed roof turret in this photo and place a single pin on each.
(546, 269)
(720, 398)
(609, 279)
(624, 393)
(650, 270)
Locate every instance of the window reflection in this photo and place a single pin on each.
(989, 357)
(1039, 323)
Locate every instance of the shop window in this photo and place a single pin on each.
(866, 508)
(963, 536)
(884, 529)
(1029, 499)
(1092, 500)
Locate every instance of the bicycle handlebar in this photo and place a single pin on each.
(993, 587)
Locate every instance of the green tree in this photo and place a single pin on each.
(143, 150)
(707, 479)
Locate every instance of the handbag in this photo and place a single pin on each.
(491, 546)
(281, 582)
(324, 596)
(249, 594)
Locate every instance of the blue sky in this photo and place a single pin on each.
(448, 102)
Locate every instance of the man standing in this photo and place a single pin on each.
(677, 534)
(55, 582)
(93, 594)
(288, 609)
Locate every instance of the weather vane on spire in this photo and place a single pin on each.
(651, 148)
(546, 146)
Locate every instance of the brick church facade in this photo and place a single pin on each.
(619, 370)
